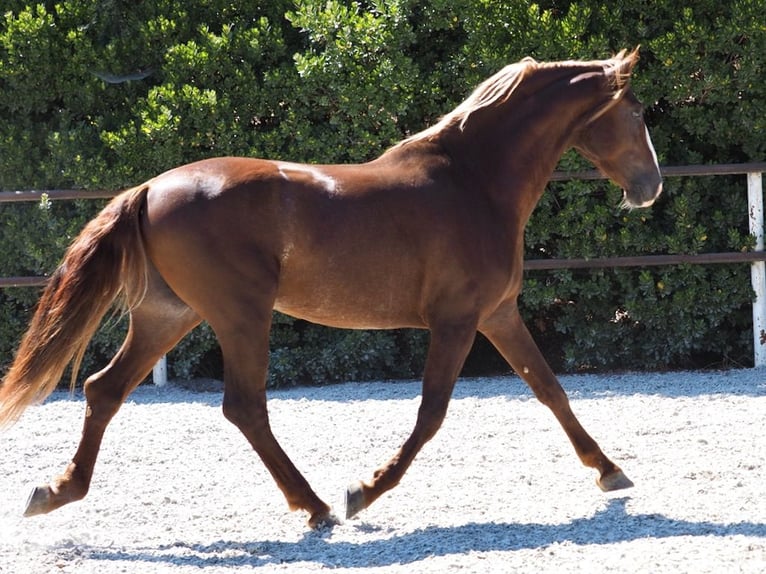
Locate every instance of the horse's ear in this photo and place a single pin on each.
(629, 60)
(624, 62)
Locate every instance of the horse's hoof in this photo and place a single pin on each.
(324, 521)
(354, 499)
(614, 481)
(38, 502)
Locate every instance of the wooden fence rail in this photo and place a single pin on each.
(757, 258)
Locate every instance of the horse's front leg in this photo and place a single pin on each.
(507, 332)
(447, 351)
(246, 408)
(245, 351)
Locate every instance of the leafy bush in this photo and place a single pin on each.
(107, 94)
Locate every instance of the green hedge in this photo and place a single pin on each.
(105, 94)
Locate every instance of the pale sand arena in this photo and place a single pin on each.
(178, 489)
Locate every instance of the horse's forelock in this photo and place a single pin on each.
(617, 71)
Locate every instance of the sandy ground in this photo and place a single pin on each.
(178, 489)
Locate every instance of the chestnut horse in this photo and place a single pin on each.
(428, 235)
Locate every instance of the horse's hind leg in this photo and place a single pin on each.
(156, 325)
(510, 336)
(447, 351)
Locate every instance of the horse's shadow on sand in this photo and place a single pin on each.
(609, 526)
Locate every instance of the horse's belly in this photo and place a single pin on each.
(350, 304)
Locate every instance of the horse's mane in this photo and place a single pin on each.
(496, 89)
(503, 85)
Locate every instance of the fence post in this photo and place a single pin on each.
(757, 268)
(160, 372)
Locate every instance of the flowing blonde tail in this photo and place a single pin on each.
(106, 260)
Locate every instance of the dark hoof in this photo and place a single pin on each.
(614, 481)
(354, 499)
(39, 501)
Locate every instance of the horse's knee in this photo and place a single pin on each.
(551, 394)
(232, 411)
(242, 412)
(429, 421)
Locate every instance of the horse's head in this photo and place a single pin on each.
(617, 140)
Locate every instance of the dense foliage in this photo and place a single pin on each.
(104, 94)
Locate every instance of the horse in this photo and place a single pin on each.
(428, 235)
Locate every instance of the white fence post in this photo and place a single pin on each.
(758, 268)
(160, 372)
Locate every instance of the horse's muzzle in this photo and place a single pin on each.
(642, 194)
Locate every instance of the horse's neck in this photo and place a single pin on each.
(513, 152)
